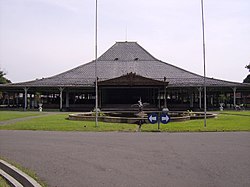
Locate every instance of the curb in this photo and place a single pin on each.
(15, 176)
(10, 179)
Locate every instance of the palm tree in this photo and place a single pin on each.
(3, 80)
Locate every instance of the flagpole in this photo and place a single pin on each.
(96, 77)
(204, 62)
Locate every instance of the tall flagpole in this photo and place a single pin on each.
(204, 61)
(96, 78)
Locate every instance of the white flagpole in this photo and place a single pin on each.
(204, 61)
(96, 77)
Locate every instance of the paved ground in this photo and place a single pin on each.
(132, 159)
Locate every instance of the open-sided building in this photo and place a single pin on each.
(126, 72)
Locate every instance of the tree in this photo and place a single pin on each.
(248, 66)
(247, 79)
(3, 80)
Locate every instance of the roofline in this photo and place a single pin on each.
(246, 84)
(36, 82)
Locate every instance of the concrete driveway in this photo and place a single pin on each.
(131, 159)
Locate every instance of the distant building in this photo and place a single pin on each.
(126, 72)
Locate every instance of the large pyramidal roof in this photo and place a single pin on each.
(123, 58)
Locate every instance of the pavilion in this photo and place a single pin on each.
(126, 72)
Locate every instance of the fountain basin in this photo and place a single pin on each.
(131, 118)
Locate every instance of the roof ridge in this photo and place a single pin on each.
(147, 51)
(70, 70)
(126, 51)
(180, 68)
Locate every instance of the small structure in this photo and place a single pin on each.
(221, 106)
(141, 114)
(40, 107)
(140, 105)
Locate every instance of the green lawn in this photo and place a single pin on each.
(3, 182)
(60, 122)
(7, 115)
(226, 121)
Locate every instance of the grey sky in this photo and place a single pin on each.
(41, 38)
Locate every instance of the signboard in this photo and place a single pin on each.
(164, 118)
(153, 118)
(158, 118)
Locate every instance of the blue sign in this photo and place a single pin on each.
(164, 118)
(153, 118)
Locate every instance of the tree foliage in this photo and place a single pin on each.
(247, 79)
(3, 80)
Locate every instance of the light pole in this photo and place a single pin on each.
(204, 62)
(96, 78)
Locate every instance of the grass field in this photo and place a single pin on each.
(226, 121)
(3, 182)
(7, 115)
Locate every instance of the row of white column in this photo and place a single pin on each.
(60, 95)
(200, 95)
(61, 89)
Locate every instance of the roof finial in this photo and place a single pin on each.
(126, 34)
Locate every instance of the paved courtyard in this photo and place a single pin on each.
(131, 159)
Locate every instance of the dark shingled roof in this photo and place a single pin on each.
(123, 58)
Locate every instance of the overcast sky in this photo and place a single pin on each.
(41, 38)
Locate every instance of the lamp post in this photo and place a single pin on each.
(204, 63)
(96, 78)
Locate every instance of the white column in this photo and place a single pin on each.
(165, 93)
(100, 98)
(212, 100)
(200, 90)
(25, 97)
(67, 99)
(17, 103)
(191, 100)
(165, 97)
(159, 99)
(8, 100)
(234, 89)
(61, 99)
